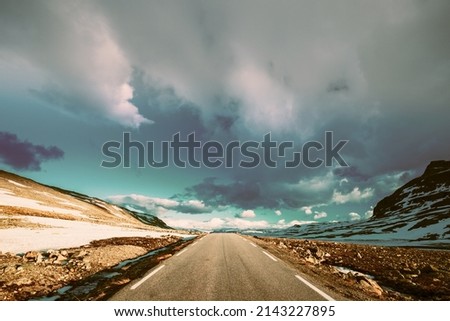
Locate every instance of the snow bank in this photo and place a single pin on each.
(62, 234)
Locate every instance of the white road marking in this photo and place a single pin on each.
(134, 287)
(274, 259)
(326, 296)
(195, 243)
(253, 244)
(179, 253)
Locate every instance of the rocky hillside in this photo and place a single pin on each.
(22, 196)
(36, 217)
(427, 197)
(416, 214)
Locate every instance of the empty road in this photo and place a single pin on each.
(221, 267)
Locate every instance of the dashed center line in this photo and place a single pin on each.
(253, 244)
(179, 253)
(134, 287)
(270, 256)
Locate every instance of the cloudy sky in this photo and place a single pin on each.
(76, 74)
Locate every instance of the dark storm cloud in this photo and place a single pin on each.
(253, 194)
(373, 72)
(369, 73)
(170, 113)
(23, 155)
(68, 49)
(338, 86)
(350, 172)
(240, 194)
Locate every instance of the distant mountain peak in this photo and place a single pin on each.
(437, 167)
(426, 195)
(416, 214)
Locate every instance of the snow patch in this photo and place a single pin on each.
(16, 183)
(64, 234)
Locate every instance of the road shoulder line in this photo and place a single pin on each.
(323, 294)
(179, 253)
(270, 256)
(135, 286)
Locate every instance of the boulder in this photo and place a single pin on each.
(60, 258)
(32, 255)
(281, 245)
(312, 260)
(369, 285)
(39, 258)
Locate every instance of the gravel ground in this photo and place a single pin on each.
(36, 274)
(364, 272)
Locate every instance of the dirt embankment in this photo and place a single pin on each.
(364, 272)
(36, 274)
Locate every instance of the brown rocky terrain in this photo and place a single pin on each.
(364, 272)
(353, 271)
(37, 274)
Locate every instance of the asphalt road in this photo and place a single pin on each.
(221, 267)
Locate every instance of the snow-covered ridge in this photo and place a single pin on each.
(36, 217)
(417, 214)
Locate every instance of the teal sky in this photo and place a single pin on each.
(77, 74)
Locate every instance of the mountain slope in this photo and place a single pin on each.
(427, 197)
(19, 195)
(34, 216)
(417, 213)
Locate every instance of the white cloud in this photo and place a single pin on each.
(354, 216)
(256, 87)
(316, 183)
(278, 212)
(283, 224)
(163, 202)
(368, 214)
(144, 201)
(196, 204)
(356, 195)
(319, 215)
(307, 209)
(185, 221)
(248, 214)
(74, 52)
(216, 223)
(244, 224)
(157, 205)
